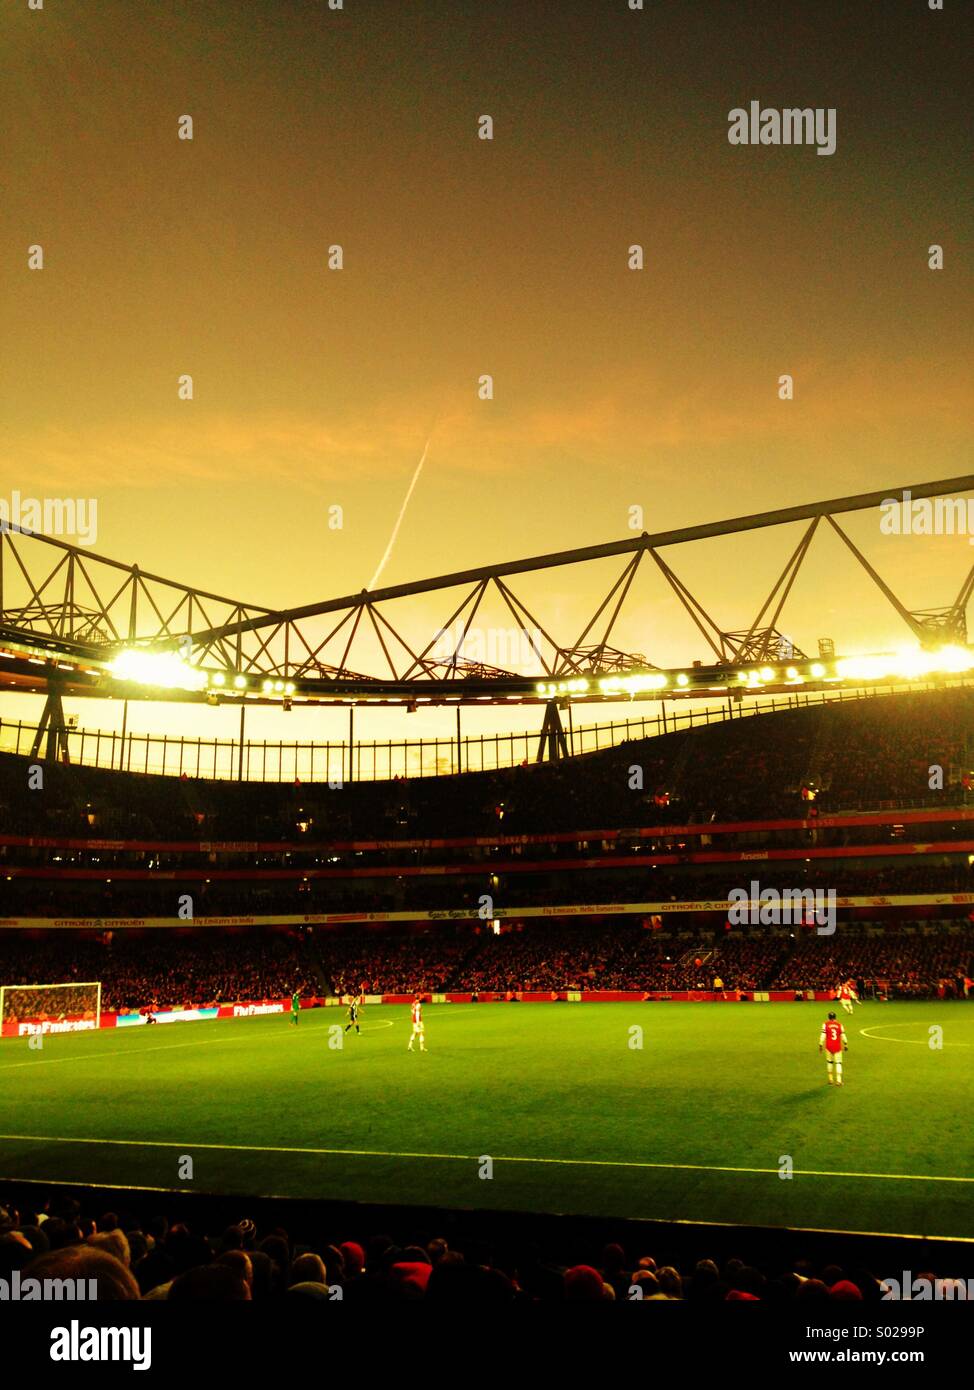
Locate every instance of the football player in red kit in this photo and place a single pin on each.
(834, 1041)
(847, 995)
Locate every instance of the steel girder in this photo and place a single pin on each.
(55, 595)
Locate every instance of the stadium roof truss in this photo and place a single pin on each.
(66, 615)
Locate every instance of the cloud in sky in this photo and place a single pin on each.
(612, 417)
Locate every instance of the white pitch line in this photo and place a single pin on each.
(169, 1047)
(115, 1052)
(676, 1221)
(911, 1042)
(141, 1051)
(468, 1158)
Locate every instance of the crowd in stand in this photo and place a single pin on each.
(555, 886)
(613, 958)
(908, 966)
(411, 965)
(850, 754)
(169, 969)
(895, 749)
(158, 1259)
(853, 753)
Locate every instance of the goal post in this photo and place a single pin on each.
(73, 1006)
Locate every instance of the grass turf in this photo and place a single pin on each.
(693, 1126)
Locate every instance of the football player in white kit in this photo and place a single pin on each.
(419, 1030)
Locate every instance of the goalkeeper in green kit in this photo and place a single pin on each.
(295, 1007)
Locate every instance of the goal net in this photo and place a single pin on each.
(62, 1008)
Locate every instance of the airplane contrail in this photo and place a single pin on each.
(402, 513)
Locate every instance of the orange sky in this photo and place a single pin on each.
(613, 388)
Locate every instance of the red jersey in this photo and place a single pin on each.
(833, 1034)
(417, 1013)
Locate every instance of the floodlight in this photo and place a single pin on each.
(163, 669)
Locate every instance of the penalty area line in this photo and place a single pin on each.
(138, 1051)
(473, 1158)
(121, 1052)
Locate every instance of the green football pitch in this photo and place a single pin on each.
(545, 1107)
